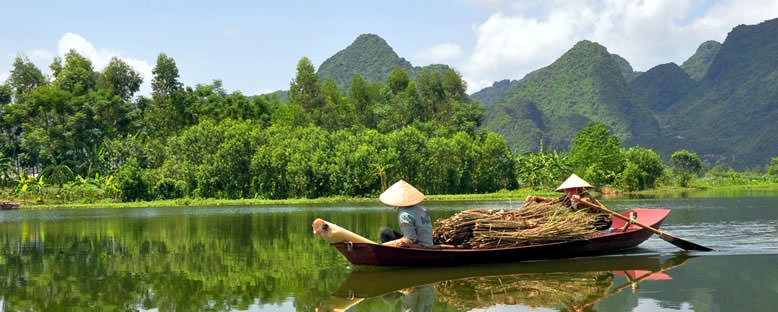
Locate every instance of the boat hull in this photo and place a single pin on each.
(602, 243)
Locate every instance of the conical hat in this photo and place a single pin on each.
(401, 194)
(573, 182)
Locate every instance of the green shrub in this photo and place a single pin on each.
(686, 165)
(168, 188)
(132, 182)
(643, 168)
(772, 169)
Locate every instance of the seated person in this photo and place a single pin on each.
(574, 191)
(415, 224)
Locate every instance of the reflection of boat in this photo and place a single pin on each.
(559, 284)
(602, 243)
(8, 205)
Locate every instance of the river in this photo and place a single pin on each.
(267, 259)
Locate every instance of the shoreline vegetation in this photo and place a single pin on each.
(518, 195)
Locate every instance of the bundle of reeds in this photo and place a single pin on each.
(531, 224)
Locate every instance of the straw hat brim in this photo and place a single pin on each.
(573, 181)
(401, 194)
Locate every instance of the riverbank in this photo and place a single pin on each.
(518, 195)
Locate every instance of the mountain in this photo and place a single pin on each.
(489, 95)
(370, 56)
(732, 114)
(625, 68)
(698, 64)
(661, 86)
(584, 85)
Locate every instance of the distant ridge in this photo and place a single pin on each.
(371, 57)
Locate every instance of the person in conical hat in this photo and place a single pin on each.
(575, 192)
(415, 224)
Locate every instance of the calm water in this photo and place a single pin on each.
(267, 259)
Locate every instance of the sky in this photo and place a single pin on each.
(253, 46)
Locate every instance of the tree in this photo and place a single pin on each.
(169, 111)
(772, 169)
(643, 168)
(120, 79)
(25, 77)
(596, 154)
(686, 165)
(363, 101)
(76, 75)
(165, 81)
(305, 88)
(398, 80)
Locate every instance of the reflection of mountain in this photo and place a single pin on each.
(564, 284)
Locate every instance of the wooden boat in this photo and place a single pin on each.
(602, 243)
(9, 205)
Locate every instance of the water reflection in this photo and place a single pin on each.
(565, 285)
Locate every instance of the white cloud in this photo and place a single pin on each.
(516, 40)
(440, 53)
(4, 76)
(263, 91)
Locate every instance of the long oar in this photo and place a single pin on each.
(682, 243)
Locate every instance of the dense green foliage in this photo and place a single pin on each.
(686, 165)
(203, 142)
(542, 168)
(697, 65)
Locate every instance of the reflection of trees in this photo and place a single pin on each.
(183, 263)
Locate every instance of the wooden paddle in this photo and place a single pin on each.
(681, 243)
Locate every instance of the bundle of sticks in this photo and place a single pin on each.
(536, 223)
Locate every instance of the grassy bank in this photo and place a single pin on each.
(520, 194)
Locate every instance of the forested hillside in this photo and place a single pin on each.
(721, 103)
(732, 114)
(584, 85)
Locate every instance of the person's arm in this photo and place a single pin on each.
(401, 242)
(538, 199)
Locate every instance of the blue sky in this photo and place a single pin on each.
(254, 46)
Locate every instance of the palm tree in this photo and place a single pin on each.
(58, 173)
